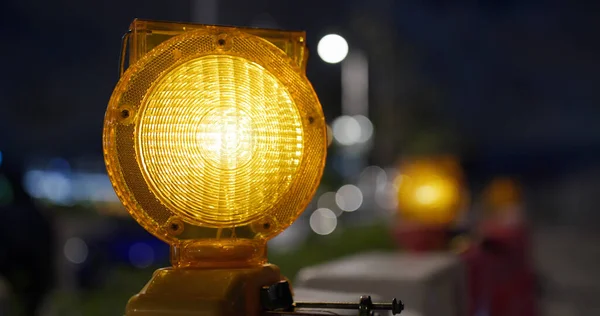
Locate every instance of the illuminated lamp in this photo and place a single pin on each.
(215, 142)
(502, 194)
(430, 197)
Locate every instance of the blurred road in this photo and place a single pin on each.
(569, 261)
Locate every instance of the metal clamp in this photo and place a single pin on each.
(277, 299)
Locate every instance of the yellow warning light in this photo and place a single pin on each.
(214, 139)
(429, 191)
(503, 193)
(220, 142)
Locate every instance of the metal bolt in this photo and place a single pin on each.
(396, 307)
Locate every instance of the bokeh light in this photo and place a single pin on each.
(69, 189)
(430, 191)
(323, 221)
(32, 183)
(349, 198)
(427, 194)
(327, 200)
(366, 128)
(371, 179)
(346, 130)
(386, 195)
(349, 130)
(57, 187)
(52, 185)
(502, 193)
(75, 250)
(332, 48)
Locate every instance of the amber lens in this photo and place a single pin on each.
(218, 130)
(219, 140)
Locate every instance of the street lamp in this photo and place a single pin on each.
(332, 48)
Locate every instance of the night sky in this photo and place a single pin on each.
(518, 77)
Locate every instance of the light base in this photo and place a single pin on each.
(194, 291)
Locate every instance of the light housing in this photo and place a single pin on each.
(214, 139)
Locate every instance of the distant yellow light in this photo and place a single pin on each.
(502, 193)
(429, 192)
(215, 142)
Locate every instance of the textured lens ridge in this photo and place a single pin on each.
(219, 139)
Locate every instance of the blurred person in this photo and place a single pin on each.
(26, 243)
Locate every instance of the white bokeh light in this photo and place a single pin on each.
(346, 130)
(57, 187)
(386, 197)
(371, 179)
(349, 198)
(327, 200)
(52, 185)
(323, 221)
(366, 128)
(332, 48)
(75, 250)
(32, 183)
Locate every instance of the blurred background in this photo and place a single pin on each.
(507, 88)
